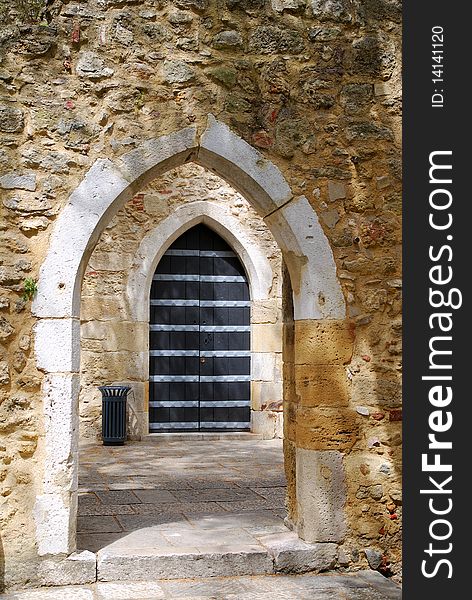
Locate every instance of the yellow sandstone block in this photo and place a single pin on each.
(322, 386)
(324, 342)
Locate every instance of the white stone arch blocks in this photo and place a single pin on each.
(102, 192)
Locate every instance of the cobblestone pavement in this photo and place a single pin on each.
(180, 486)
(365, 585)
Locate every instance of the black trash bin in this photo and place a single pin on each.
(114, 414)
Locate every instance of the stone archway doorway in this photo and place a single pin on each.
(199, 337)
(317, 502)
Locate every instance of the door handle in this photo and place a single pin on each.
(202, 360)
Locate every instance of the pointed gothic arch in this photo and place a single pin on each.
(105, 188)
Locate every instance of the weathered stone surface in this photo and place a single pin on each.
(144, 566)
(247, 5)
(293, 555)
(333, 10)
(59, 593)
(281, 5)
(355, 97)
(322, 386)
(267, 424)
(327, 428)
(362, 585)
(336, 190)
(117, 335)
(177, 71)
(56, 162)
(57, 345)
(4, 373)
(266, 395)
(227, 39)
(129, 591)
(6, 328)
(34, 224)
(28, 204)
(180, 18)
(313, 92)
(373, 56)
(249, 170)
(78, 568)
(321, 496)
(123, 35)
(317, 293)
(330, 218)
(266, 336)
(290, 135)
(381, 10)
(368, 131)
(17, 181)
(195, 4)
(376, 391)
(323, 342)
(92, 66)
(156, 32)
(323, 34)
(269, 40)
(224, 75)
(80, 10)
(374, 558)
(11, 119)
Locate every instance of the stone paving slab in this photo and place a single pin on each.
(243, 520)
(364, 585)
(251, 504)
(177, 508)
(156, 496)
(106, 510)
(94, 542)
(136, 522)
(118, 497)
(100, 524)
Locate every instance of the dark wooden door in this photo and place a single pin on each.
(199, 337)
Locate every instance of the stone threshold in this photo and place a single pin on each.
(273, 553)
(201, 436)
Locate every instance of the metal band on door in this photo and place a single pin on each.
(199, 337)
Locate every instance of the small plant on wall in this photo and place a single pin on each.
(29, 289)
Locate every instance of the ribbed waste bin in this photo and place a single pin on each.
(114, 414)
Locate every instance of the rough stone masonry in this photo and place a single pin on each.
(314, 87)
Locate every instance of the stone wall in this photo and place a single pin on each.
(314, 86)
(114, 343)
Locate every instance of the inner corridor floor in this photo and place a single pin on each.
(182, 493)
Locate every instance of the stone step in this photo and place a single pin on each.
(268, 554)
(201, 436)
(149, 564)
